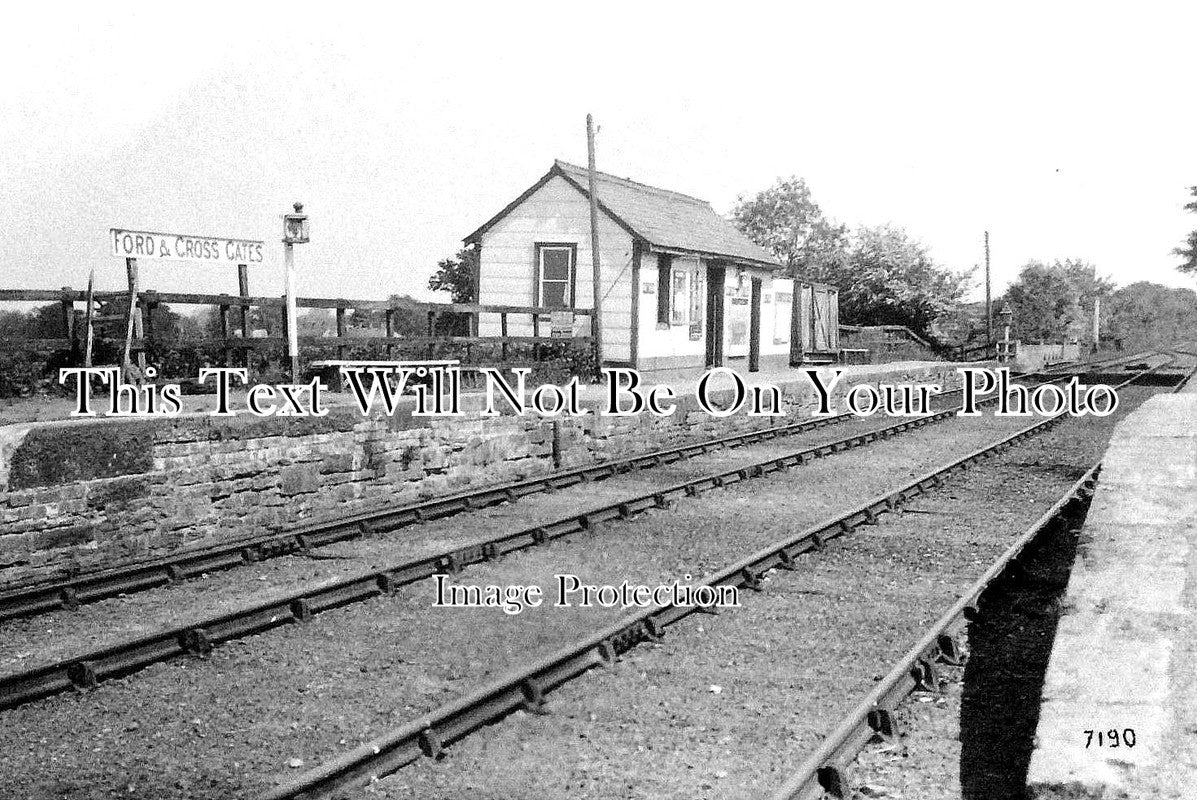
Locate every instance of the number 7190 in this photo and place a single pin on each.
(1111, 738)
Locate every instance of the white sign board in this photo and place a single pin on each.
(182, 247)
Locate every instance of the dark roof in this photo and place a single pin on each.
(667, 220)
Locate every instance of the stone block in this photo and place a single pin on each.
(299, 479)
(340, 462)
(69, 536)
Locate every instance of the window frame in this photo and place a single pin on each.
(679, 313)
(538, 279)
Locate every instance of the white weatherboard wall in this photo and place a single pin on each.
(557, 213)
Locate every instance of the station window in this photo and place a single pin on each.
(681, 294)
(679, 301)
(555, 268)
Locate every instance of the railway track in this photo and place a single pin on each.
(85, 589)
(824, 772)
(526, 688)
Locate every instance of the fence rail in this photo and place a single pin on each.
(438, 329)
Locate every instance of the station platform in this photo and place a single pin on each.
(1118, 715)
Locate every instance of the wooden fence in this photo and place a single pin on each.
(235, 338)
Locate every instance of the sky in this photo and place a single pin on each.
(1065, 130)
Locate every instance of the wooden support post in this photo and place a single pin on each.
(754, 328)
(431, 333)
(224, 332)
(243, 290)
(340, 332)
(133, 327)
(87, 315)
(286, 333)
(596, 316)
(341, 349)
(536, 334)
(988, 300)
(149, 302)
(503, 333)
(390, 332)
(796, 354)
(68, 316)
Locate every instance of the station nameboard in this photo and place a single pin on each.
(184, 247)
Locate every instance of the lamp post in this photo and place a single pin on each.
(295, 231)
(1005, 350)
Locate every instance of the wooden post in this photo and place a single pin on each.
(796, 354)
(988, 300)
(133, 326)
(224, 332)
(243, 290)
(389, 317)
(68, 316)
(341, 347)
(286, 333)
(340, 332)
(596, 317)
(503, 333)
(147, 311)
(754, 328)
(431, 333)
(87, 314)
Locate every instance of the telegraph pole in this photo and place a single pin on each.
(596, 315)
(988, 297)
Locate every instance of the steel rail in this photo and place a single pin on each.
(198, 637)
(824, 771)
(1069, 368)
(526, 688)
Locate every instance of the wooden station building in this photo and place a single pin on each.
(682, 287)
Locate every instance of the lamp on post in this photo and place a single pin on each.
(295, 231)
(1005, 346)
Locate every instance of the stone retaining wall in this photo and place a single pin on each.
(81, 495)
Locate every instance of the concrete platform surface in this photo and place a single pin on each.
(1119, 705)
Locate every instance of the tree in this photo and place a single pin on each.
(884, 276)
(785, 220)
(456, 275)
(1189, 251)
(1145, 315)
(1054, 302)
(888, 278)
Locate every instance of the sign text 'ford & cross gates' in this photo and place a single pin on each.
(182, 247)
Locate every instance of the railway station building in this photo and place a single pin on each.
(682, 287)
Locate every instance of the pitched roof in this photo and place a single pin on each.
(665, 219)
